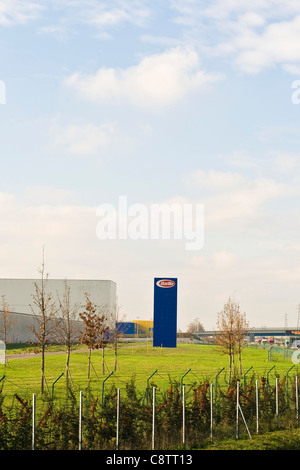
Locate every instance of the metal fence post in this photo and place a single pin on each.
(216, 378)
(211, 411)
(102, 395)
(52, 392)
(256, 392)
(237, 408)
(153, 420)
(80, 421)
(33, 422)
(148, 388)
(118, 419)
(245, 375)
(181, 380)
(268, 376)
(183, 416)
(287, 382)
(297, 399)
(277, 404)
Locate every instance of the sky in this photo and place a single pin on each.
(168, 102)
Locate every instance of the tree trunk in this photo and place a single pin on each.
(240, 361)
(89, 364)
(230, 367)
(116, 353)
(67, 366)
(43, 369)
(103, 362)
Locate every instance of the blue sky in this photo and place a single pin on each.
(168, 101)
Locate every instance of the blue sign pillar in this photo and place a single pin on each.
(165, 312)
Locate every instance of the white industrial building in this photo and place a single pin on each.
(18, 294)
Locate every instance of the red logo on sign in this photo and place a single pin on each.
(165, 283)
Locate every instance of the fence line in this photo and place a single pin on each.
(283, 398)
(206, 375)
(239, 412)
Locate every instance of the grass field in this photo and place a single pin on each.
(203, 362)
(191, 363)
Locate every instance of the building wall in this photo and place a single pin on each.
(144, 327)
(18, 294)
(135, 327)
(18, 330)
(126, 328)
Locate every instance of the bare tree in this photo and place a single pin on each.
(94, 328)
(241, 328)
(232, 325)
(195, 326)
(68, 326)
(44, 310)
(116, 329)
(7, 322)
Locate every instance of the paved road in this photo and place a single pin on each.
(10, 357)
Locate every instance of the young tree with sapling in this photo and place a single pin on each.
(68, 326)
(241, 328)
(44, 311)
(95, 327)
(232, 326)
(115, 329)
(6, 321)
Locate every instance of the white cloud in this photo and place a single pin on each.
(224, 259)
(58, 31)
(285, 163)
(89, 139)
(213, 180)
(231, 197)
(103, 16)
(67, 229)
(158, 80)
(111, 17)
(114, 12)
(47, 195)
(254, 34)
(19, 11)
(279, 43)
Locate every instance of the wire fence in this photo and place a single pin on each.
(118, 412)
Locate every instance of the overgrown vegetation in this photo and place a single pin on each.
(57, 420)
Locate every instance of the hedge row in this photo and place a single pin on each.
(57, 421)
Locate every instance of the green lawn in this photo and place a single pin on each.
(140, 361)
(275, 440)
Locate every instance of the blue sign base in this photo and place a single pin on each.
(165, 313)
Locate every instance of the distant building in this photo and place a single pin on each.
(135, 327)
(18, 294)
(144, 327)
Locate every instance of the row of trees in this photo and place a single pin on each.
(58, 320)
